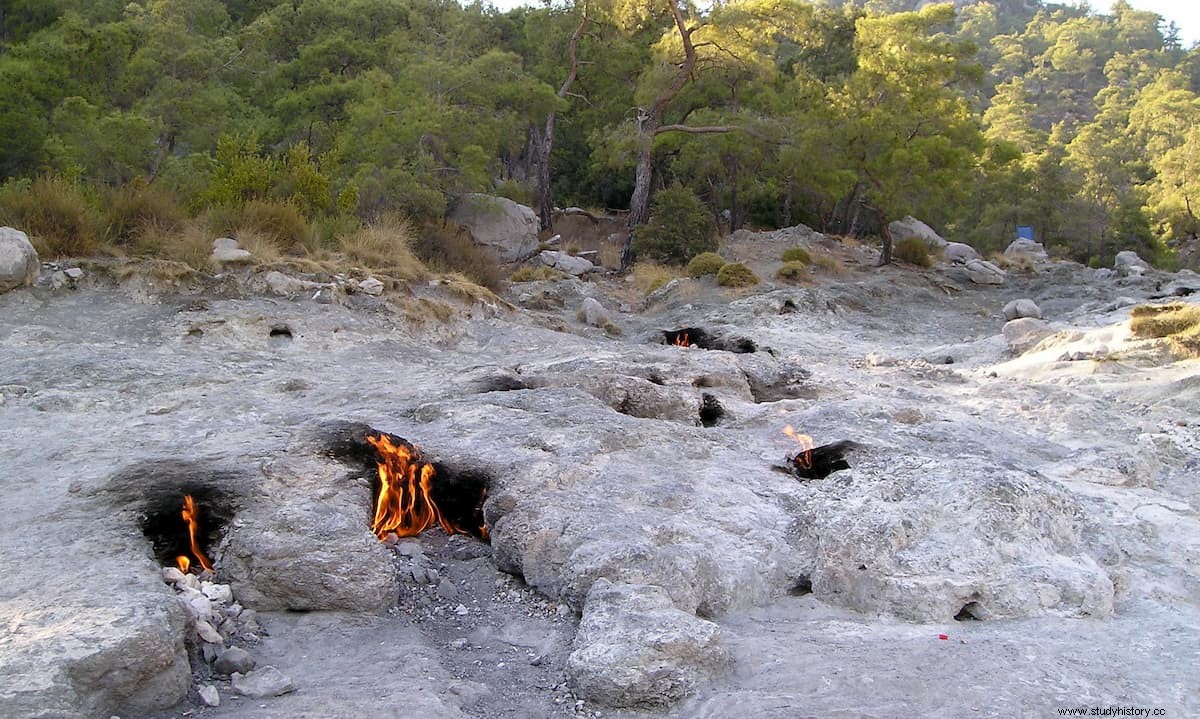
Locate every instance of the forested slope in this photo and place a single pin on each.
(976, 119)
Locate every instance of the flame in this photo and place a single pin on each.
(803, 458)
(405, 506)
(682, 340)
(190, 516)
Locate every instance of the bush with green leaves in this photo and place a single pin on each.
(913, 250)
(797, 254)
(705, 263)
(735, 274)
(680, 228)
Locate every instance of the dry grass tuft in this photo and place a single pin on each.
(913, 250)
(385, 246)
(56, 215)
(1011, 263)
(535, 274)
(830, 264)
(1177, 322)
(449, 249)
(649, 276)
(264, 249)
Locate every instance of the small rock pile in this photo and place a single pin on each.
(216, 622)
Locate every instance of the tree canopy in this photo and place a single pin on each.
(840, 115)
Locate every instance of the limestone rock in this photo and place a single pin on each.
(234, 659)
(226, 251)
(1128, 263)
(262, 683)
(565, 262)
(1022, 334)
(309, 550)
(959, 253)
(912, 227)
(371, 286)
(982, 272)
(635, 649)
(1018, 309)
(594, 313)
(1026, 249)
(1104, 273)
(19, 264)
(209, 696)
(505, 226)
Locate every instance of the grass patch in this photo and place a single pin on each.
(792, 271)
(134, 210)
(649, 276)
(535, 274)
(1177, 322)
(1012, 263)
(705, 263)
(735, 274)
(913, 250)
(796, 254)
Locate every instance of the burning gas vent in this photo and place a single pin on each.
(184, 526)
(409, 492)
(698, 337)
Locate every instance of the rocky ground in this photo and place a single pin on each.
(1017, 532)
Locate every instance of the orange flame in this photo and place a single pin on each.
(682, 340)
(405, 506)
(190, 516)
(803, 458)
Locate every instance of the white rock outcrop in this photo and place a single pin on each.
(505, 226)
(19, 265)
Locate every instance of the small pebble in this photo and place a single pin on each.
(208, 632)
(217, 592)
(461, 610)
(234, 659)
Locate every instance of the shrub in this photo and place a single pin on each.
(385, 246)
(797, 254)
(913, 250)
(705, 263)
(280, 222)
(735, 274)
(447, 249)
(135, 209)
(792, 271)
(680, 227)
(55, 214)
(190, 244)
(649, 276)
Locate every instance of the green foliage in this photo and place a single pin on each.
(735, 274)
(680, 227)
(55, 213)
(913, 250)
(792, 271)
(797, 254)
(705, 263)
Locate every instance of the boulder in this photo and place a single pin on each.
(262, 683)
(1018, 309)
(959, 253)
(505, 226)
(226, 251)
(1022, 334)
(564, 262)
(635, 649)
(982, 272)
(19, 263)
(1022, 248)
(912, 227)
(594, 313)
(1128, 263)
(1104, 273)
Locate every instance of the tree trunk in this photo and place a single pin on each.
(166, 142)
(545, 196)
(639, 203)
